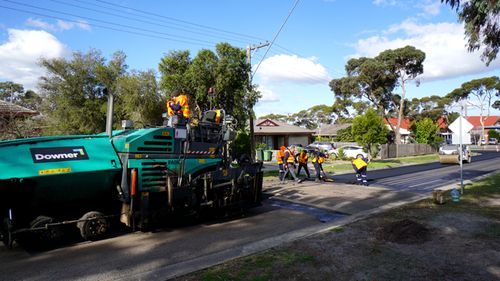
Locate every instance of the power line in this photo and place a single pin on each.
(177, 20)
(101, 26)
(276, 36)
(155, 23)
(106, 22)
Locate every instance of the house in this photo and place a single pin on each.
(404, 129)
(275, 134)
(329, 131)
(12, 119)
(9, 110)
(477, 130)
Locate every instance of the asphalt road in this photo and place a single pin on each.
(139, 256)
(424, 178)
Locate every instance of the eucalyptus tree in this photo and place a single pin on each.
(482, 26)
(367, 79)
(406, 63)
(374, 79)
(480, 94)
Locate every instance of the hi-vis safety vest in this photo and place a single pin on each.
(303, 157)
(279, 156)
(182, 100)
(359, 163)
(319, 159)
(291, 157)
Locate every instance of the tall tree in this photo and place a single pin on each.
(480, 93)
(406, 63)
(369, 130)
(367, 79)
(314, 117)
(433, 107)
(482, 26)
(72, 102)
(139, 99)
(225, 71)
(10, 91)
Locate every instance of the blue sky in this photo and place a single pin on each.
(311, 49)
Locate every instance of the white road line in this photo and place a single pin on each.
(425, 183)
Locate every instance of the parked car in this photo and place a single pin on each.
(326, 147)
(492, 141)
(352, 151)
(449, 154)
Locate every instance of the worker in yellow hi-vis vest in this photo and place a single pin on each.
(360, 165)
(178, 104)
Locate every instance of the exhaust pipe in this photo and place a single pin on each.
(109, 115)
(109, 112)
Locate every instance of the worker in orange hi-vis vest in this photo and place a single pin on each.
(303, 159)
(178, 104)
(280, 158)
(290, 164)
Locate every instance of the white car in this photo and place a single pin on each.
(352, 151)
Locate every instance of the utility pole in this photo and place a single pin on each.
(250, 48)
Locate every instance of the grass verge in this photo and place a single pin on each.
(481, 198)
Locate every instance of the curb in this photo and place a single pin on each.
(203, 262)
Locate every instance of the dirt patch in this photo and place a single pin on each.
(404, 244)
(404, 231)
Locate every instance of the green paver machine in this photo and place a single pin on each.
(140, 175)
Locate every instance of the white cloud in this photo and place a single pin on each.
(443, 44)
(431, 7)
(60, 25)
(64, 25)
(384, 2)
(40, 24)
(285, 68)
(267, 94)
(20, 54)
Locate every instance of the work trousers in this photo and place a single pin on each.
(303, 165)
(290, 169)
(281, 172)
(361, 176)
(318, 167)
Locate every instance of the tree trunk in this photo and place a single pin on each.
(400, 112)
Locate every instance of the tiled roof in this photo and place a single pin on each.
(405, 123)
(488, 121)
(273, 127)
(7, 108)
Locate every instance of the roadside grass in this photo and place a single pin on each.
(282, 261)
(481, 198)
(253, 268)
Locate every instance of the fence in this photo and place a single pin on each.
(400, 150)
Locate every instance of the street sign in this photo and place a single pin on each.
(461, 131)
(455, 126)
(466, 139)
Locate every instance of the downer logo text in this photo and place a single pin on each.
(56, 154)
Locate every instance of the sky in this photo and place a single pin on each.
(310, 41)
